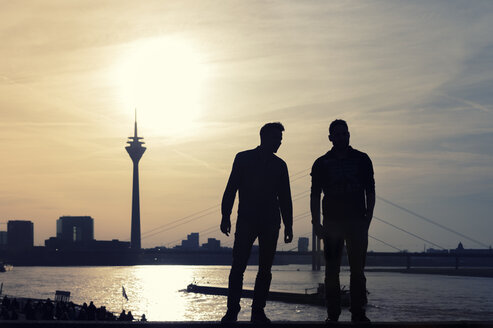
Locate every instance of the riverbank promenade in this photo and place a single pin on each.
(216, 324)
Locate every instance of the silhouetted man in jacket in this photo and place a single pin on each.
(262, 181)
(345, 176)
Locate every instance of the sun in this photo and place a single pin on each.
(163, 78)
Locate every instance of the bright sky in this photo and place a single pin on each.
(412, 79)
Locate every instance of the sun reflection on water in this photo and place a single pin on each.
(157, 292)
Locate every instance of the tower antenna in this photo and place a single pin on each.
(135, 124)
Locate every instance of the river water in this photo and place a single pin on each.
(158, 292)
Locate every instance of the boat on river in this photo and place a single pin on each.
(317, 298)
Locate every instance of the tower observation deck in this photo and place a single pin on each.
(135, 150)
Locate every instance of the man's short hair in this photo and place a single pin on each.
(335, 123)
(270, 127)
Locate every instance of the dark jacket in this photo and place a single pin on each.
(344, 182)
(262, 181)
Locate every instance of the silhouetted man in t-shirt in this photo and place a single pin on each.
(345, 176)
(262, 181)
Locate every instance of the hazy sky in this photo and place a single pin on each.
(414, 81)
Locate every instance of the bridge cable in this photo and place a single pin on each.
(432, 221)
(172, 225)
(212, 207)
(181, 219)
(167, 227)
(303, 215)
(398, 249)
(405, 231)
(383, 242)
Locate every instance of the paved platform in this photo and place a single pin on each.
(215, 324)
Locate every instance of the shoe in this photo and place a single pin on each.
(258, 316)
(360, 318)
(230, 316)
(331, 318)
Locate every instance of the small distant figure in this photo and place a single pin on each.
(14, 304)
(130, 317)
(6, 301)
(122, 316)
(4, 313)
(262, 181)
(14, 315)
(345, 176)
(143, 317)
(29, 311)
(91, 311)
(47, 309)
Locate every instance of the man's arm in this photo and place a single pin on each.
(369, 190)
(316, 192)
(370, 205)
(229, 197)
(286, 205)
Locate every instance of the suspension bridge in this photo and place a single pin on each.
(191, 219)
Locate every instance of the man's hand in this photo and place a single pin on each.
(225, 225)
(288, 234)
(319, 230)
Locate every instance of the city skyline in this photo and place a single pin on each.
(411, 79)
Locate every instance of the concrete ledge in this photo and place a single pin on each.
(215, 324)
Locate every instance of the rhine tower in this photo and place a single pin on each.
(135, 150)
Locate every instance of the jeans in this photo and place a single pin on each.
(245, 236)
(355, 234)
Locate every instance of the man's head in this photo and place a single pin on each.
(271, 136)
(339, 134)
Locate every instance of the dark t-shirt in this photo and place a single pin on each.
(262, 181)
(343, 183)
